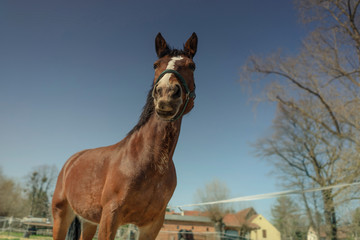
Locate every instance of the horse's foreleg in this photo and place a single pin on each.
(63, 216)
(88, 230)
(150, 231)
(108, 223)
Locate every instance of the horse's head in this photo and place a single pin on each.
(174, 86)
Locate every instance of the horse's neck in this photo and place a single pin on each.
(156, 142)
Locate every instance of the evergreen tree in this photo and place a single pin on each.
(286, 218)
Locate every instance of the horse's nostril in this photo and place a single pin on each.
(177, 92)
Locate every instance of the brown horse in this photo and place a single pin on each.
(133, 180)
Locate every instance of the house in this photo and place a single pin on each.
(195, 223)
(249, 224)
(266, 230)
(240, 223)
(245, 224)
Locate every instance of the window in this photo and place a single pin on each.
(264, 233)
(232, 234)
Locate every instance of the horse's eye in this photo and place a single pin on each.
(156, 65)
(192, 66)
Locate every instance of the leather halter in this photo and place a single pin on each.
(189, 94)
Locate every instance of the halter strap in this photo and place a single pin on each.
(189, 94)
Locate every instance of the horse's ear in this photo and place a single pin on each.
(160, 45)
(191, 45)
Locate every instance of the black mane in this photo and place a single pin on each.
(148, 110)
(174, 52)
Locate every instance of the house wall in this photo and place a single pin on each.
(266, 232)
(311, 234)
(202, 231)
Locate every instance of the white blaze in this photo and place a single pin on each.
(171, 65)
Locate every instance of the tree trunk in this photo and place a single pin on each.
(219, 229)
(308, 211)
(330, 215)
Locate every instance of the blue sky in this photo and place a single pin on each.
(75, 74)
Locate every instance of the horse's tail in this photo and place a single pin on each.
(74, 230)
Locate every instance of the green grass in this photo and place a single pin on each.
(18, 235)
(12, 234)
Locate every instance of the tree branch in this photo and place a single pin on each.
(317, 95)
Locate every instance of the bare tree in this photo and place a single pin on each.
(301, 150)
(214, 191)
(317, 130)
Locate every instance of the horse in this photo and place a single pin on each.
(132, 181)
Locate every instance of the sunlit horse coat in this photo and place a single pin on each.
(133, 180)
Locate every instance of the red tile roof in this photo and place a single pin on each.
(241, 219)
(196, 213)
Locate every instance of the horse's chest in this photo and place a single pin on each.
(154, 191)
(146, 200)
